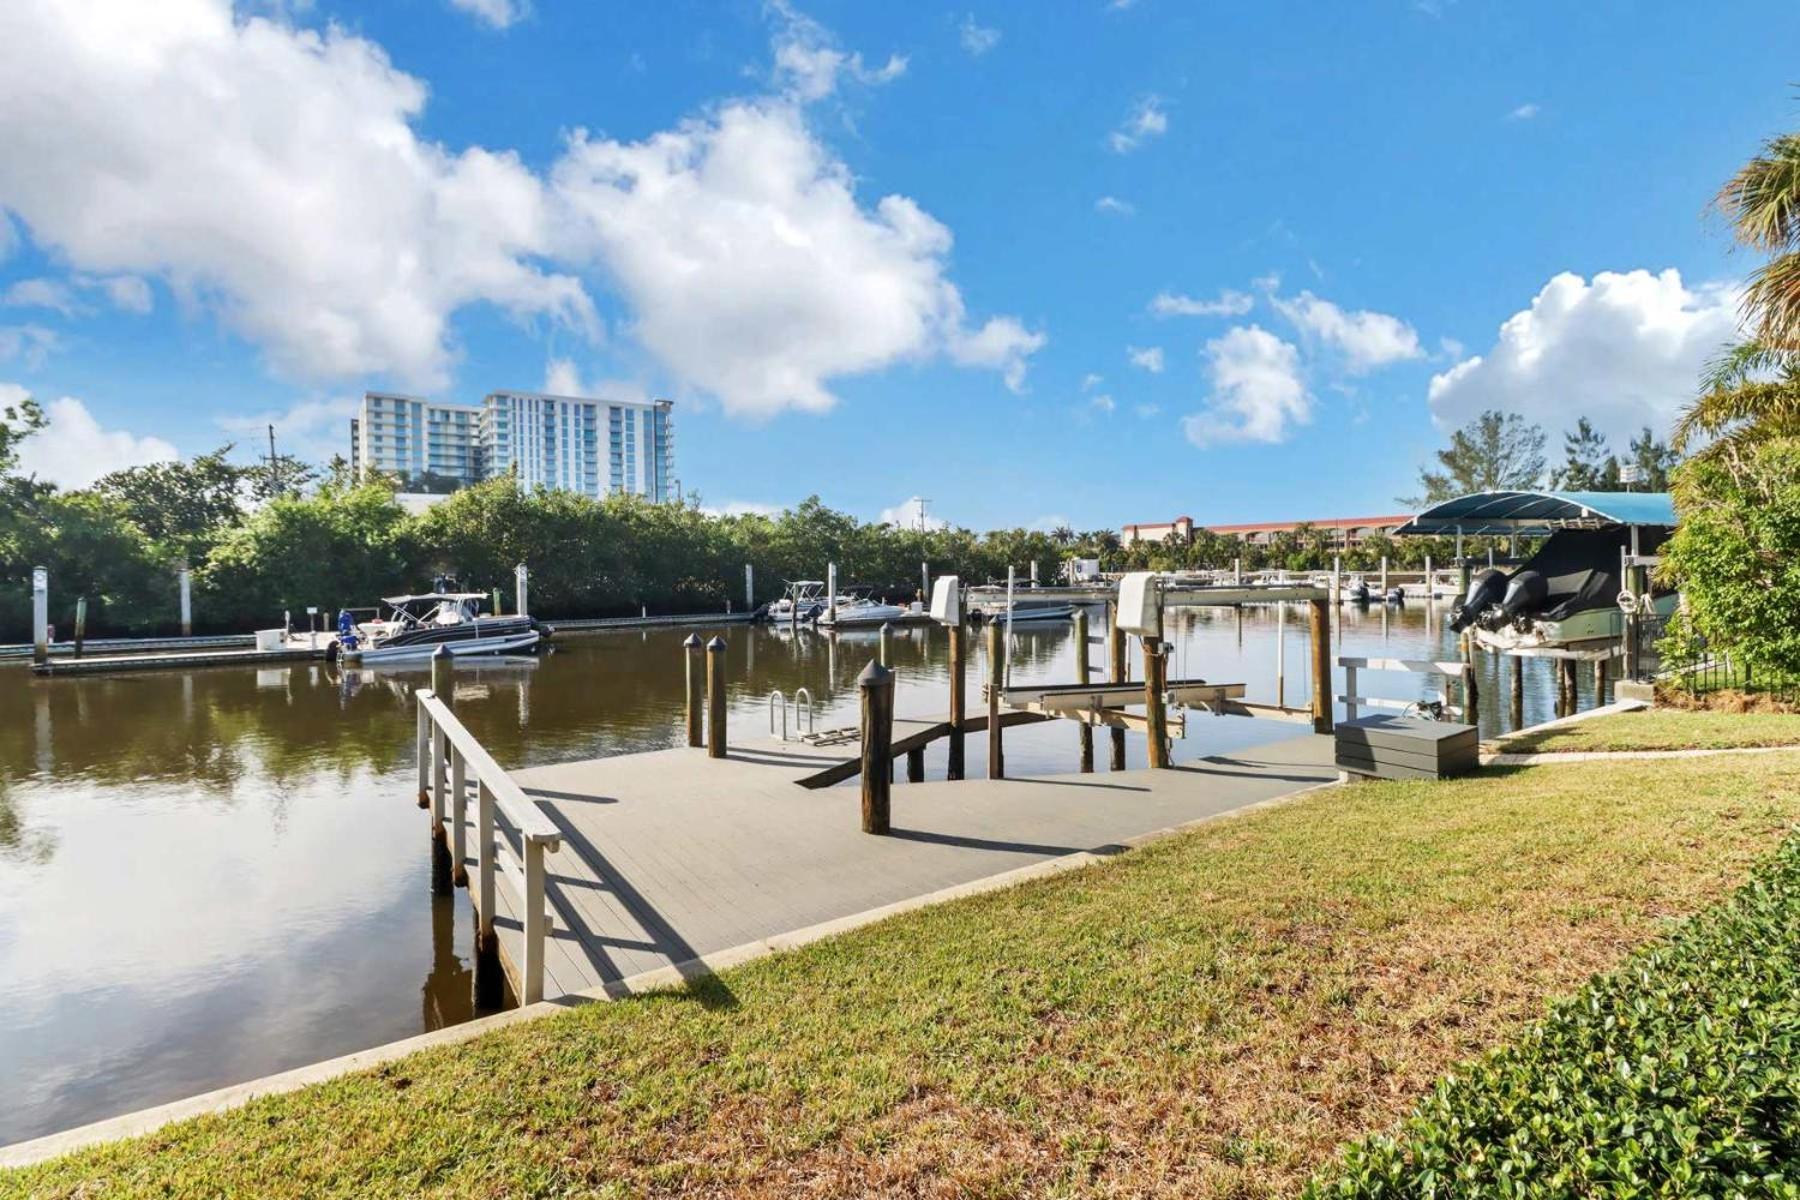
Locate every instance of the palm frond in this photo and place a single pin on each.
(1753, 410)
(1748, 362)
(1763, 199)
(1771, 303)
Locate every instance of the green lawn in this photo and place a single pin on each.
(1210, 1016)
(1663, 729)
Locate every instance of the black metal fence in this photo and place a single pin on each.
(1700, 670)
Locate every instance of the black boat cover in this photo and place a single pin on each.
(1581, 567)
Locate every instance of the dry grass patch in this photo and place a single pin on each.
(1209, 1016)
(1663, 729)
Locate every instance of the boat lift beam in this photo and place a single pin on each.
(1183, 595)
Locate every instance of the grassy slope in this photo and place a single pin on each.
(1209, 1016)
(1664, 729)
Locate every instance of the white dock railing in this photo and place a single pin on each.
(1459, 673)
(448, 756)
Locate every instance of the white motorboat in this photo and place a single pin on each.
(1025, 611)
(856, 611)
(416, 626)
(804, 600)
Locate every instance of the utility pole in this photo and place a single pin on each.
(274, 475)
(923, 501)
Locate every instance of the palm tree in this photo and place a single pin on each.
(1752, 391)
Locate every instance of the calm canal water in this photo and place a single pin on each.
(209, 876)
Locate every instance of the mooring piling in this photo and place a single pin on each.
(1515, 700)
(876, 684)
(715, 697)
(1115, 656)
(996, 646)
(1156, 715)
(1321, 666)
(40, 615)
(693, 652)
(443, 686)
(959, 669)
(1080, 621)
(80, 623)
(887, 645)
(187, 600)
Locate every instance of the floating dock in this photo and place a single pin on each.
(181, 660)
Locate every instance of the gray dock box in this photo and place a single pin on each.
(1393, 747)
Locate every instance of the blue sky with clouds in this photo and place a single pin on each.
(1087, 261)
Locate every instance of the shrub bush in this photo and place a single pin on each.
(1674, 1076)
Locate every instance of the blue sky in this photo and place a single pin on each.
(1037, 262)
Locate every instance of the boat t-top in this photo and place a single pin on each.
(804, 600)
(415, 626)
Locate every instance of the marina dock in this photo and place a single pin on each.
(670, 856)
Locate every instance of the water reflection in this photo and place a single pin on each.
(209, 876)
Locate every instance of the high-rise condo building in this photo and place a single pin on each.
(574, 443)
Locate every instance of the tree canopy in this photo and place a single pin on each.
(1494, 451)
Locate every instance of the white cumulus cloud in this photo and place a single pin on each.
(1366, 339)
(911, 513)
(1113, 206)
(754, 271)
(1624, 350)
(1229, 303)
(1523, 113)
(73, 450)
(976, 39)
(1150, 358)
(1258, 390)
(497, 14)
(808, 62)
(1147, 120)
(313, 429)
(310, 217)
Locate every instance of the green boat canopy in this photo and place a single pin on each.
(1541, 512)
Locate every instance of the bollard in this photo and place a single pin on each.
(1156, 715)
(1080, 620)
(1321, 666)
(715, 698)
(1115, 651)
(877, 686)
(959, 671)
(693, 651)
(996, 674)
(80, 623)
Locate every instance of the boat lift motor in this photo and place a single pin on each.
(946, 600)
(1140, 604)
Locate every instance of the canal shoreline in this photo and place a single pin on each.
(147, 1120)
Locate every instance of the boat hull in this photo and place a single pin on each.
(1594, 624)
(517, 642)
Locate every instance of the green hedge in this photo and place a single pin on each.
(1676, 1075)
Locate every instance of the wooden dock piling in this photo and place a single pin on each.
(959, 667)
(715, 697)
(996, 684)
(1515, 705)
(80, 623)
(887, 645)
(1080, 621)
(693, 653)
(443, 867)
(877, 686)
(40, 615)
(1321, 666)
(1115, 654)
(1156, 715)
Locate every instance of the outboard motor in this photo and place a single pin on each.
(1525, 593)
(1396, 596)
(1359, 593)
(1485, 589)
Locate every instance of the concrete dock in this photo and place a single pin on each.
(672, 855)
